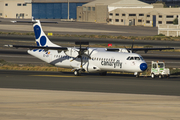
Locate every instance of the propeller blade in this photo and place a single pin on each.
(132, 46)
(127, 49)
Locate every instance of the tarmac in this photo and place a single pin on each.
(78, 28)
(23, 104)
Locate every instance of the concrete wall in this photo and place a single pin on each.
(101, 13)
(12, 10)
(144, 18)
(120, 17)
(79, 13)
(85, 13)
(98, 13)
(158, 5)
(1, 8)
(169, 30)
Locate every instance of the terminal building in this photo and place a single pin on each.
(127, 12)
(116, 12)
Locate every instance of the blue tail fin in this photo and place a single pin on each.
(41, 38)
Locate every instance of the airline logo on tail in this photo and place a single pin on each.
(41, 40)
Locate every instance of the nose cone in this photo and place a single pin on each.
(143, 66)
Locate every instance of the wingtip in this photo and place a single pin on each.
(8, 45)
(13, 21)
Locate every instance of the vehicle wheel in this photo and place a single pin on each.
(152, 75)
(160, 76)
(76, 73)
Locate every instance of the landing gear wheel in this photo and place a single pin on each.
(103, 73)
(137, 75)
(152, 76)
(77, 73)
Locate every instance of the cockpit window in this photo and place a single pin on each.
(128, 58)
(137, 58)
(134, 58)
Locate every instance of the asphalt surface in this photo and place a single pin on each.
(80, 28)
(122, 42)
(112, 83)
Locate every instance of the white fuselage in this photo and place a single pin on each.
(101, 60)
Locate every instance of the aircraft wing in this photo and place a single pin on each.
(147, 49)
(139, 49)
(40, 47)
(37, 47)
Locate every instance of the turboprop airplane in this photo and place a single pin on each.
(85, 59)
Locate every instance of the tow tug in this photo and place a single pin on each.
(158, 69)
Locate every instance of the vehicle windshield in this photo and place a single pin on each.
(160, 65)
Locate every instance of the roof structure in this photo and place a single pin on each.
(166, 11)
(114, 4)
(130, 10)
(60, 1)
(103, 2)
(131, 3)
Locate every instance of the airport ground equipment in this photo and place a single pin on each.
(158, 69)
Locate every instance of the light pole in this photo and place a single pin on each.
(68, 10)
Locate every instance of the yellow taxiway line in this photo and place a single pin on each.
(54, 76)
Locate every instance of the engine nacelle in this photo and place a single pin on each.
(72, 52)
(92, 68)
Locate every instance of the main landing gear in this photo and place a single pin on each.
(137, 74)
(78, 72)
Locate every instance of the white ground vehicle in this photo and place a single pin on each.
(158, 69)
